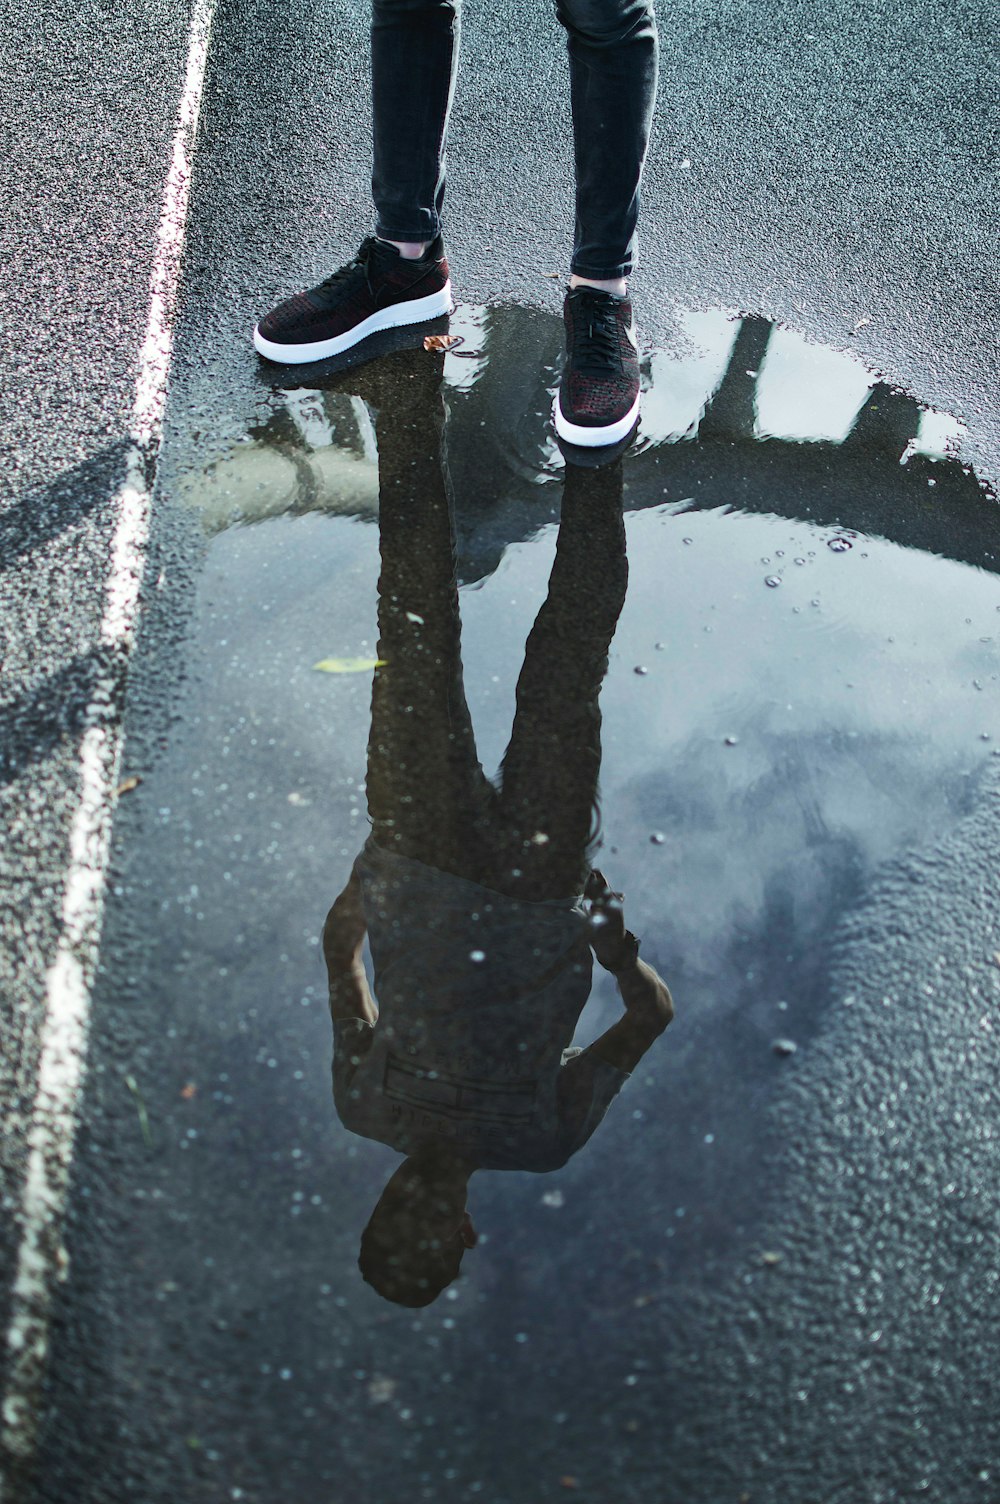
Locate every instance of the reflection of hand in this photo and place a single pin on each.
(612, 944)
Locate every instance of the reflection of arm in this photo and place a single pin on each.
(649, 1008)
(589, 1081)
(343, 937)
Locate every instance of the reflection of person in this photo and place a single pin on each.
(477, 898)
(400, 275)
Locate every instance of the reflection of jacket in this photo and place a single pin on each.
(479, 996)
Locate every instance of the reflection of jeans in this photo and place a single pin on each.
(428, 796)
(613, 58)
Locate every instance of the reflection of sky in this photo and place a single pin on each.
(464, 365)
(888, 648)
(854, 718)
(681, 387)
(807, 391)
(940, 434)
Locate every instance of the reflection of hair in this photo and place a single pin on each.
(407, 1254)
(404, 1265)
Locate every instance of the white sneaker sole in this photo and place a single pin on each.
(593, 438)
(417, 311)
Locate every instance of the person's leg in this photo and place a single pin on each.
(400, 275)
(548, 797)
(414, 60)
(613, 69)
(613, 64)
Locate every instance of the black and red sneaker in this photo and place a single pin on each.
(598, 398)
(379, 289)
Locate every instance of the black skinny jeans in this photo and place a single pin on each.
(613, 66)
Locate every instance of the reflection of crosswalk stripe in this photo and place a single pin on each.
(457, 1096)
(65, 1024)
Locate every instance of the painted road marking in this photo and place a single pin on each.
(66, 1020)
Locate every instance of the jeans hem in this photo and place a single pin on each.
(601, 273)
(424, 234)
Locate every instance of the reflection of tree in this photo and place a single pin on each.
(886, 424)
(502, 457)
(936, 505)
(731, 409)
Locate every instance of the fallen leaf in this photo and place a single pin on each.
(770, 1259)
(551, 274)
(128, 784)
(347, 665)
(441, 341)
(140, 1108)
(189, 1091)
(568, 1481)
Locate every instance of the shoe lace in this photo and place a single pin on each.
(595, 334)
(359, 263)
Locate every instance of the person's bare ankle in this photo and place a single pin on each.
(410, 250)
(616, 285)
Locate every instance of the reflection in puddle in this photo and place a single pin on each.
(765, 751)
(472, 892)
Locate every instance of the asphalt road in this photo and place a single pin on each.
(830, 170)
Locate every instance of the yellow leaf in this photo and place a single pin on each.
(348, 665)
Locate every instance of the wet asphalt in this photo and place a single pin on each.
(825, 1327)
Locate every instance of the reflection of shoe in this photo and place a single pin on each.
(379, 289)
(598, 399)
(596, 457)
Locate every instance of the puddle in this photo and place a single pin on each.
(802, 683)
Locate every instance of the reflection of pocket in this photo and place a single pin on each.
(455, 1096)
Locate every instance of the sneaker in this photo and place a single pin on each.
(598, 398)
(379, 289)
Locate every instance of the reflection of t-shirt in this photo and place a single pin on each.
(479, 996)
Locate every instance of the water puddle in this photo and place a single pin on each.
(799, 683)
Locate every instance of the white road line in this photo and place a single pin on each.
(65, 1024)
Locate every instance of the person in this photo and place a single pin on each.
(477, 897)
(400, 274)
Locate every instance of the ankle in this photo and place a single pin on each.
(410, 250)
(616, 285)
